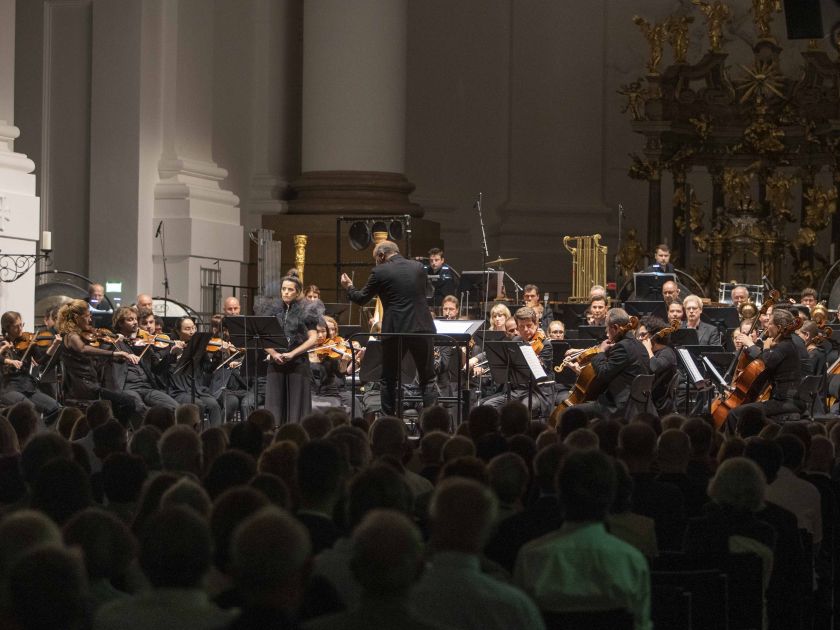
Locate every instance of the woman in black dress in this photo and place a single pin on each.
(288, 381)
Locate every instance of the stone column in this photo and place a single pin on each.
(152, 152)
(354, 95)
(19, 206)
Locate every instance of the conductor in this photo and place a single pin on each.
(401, 286)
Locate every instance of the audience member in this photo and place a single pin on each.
(24, 419)
(673, 452)
(317, 425)
(187, 493)
(634, 529)
(123, 476)
(514, 418)
(435, 418)
(573, 418)
(143, 443)
(457, 446)
(582, 566)
(247, 437)
(795, 494)
(321, 469)
(61, 490)
(231, 468)
(180, 451)
(388, 437)
(582, 440)
(453, 590)
(159, 417)
(700, 465)
(509, 478)
(214, 442)
(188, 415)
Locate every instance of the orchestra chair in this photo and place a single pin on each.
(809, 392)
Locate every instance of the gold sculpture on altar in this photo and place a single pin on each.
(630, 254)
(780, 196)
(821, 205)
(300, 254)
(635, 94)
(655, 36)
(677, 28)
(737, 188)
(716, 13)
(763, 11)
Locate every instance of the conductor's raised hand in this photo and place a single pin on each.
(346, 282)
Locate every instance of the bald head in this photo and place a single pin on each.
(144, 302)
(231, 306)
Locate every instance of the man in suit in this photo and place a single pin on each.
(621, 360)
(707, 335)
(662, 260)
(400, 285)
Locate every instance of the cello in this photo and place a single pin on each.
(583, 391)
(749, 385)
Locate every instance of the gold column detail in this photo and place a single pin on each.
(300, 254)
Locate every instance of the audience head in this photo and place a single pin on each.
(624, 485)
(123, 476)
(388, 437)
(230, 469)
(821, 455)
(462, 515)
(431, 447)
(673, 421)
(144, 444)
(387, 554)
(353, 442)
(107, 545)
(99, 413)
(108, 438)
(435, 418)
(377, 487)
(21, 532)
(175, 548)
(42, 448)
(751, 422)
(186, 492)
(180, 450)
(9, 443)
(248, 437)
(61, 489)
(229, 511)
(214, 442)
(273, 488)
(292, 433)
(188, 415)
(700, 434)
(509, 477)
(483, 420)
(793, 451)
(800, 430)
(24, 419)
(468, 467)
(673, 451)
(320, 471)
(514, 418)
(270, 552)
(263, 418)
(586, 484)
(766, 454)
(637, 446)
(150, 496)
(546, 465)
(738, 483)
(582, 440)
(160, 417)
(317, 425)
(573, 418)
(67, 419)
(457, 446)
(48, 589)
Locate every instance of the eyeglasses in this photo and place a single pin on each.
(642, 335)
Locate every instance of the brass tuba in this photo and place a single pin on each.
(747, 310)
(819, 314)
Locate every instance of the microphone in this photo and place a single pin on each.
(159, 227)
(621, 210)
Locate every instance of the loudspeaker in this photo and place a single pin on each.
(803, 19)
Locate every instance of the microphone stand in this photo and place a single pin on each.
(485, 254)
(161, 232)
(618, 251)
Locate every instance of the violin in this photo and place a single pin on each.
(335, 348)
(158, 341)
(217, 343)
(668, 331)
(98, 336)
(538, 341)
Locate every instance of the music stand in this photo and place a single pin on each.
(253, 334)
(722, 317)
(648, 285)
(336, 309)
(598, 333)
(508, 364)
(571, 314)
(641, 308)
(684, 337)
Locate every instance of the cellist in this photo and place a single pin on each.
(782, 368)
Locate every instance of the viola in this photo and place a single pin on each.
(666, 332)
(538, 341)
(97, 336)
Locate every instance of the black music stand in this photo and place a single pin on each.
(255, 333)
(684, 337)
(597, 333)
(571, 314)
(648, 285)
(508, 365)
(641, 308)
(190, 358)
(336, 309)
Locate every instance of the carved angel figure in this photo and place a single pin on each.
(677, 28)
(763, 14)
(821, 205)
(635, 99)
(779, 195)
(716, 13)
(655, 36)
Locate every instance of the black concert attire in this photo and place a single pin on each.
(288, 387)
(231, 390)
(445, 284)
(401, 286)
(783, 370)
(707, 335)
(327, 383)
(615, 370)
(181, 384)
(138, 381)
(663, 365)
(81, 365)
(20, 385)
(47, 373)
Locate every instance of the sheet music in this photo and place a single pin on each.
(693, 373)
(714, 371)
(533, 362)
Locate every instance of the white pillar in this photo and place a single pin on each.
(354, 102)
(19, 206)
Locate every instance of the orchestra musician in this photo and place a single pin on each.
(782, 369)
(289, 379)
(670, 292)
(312, 292)
(510, 328)
(816, 347)
(400, 284)
(228, 384)
(663, 363)
(556, 330)
(528, 333)
(182, 383)
(707, 335)
(676, 311)
(144, 302)
(135, 379)
(621, 359)
(740, 295)
(596, 314)
(446, 283)
(47, 358)
(449, 307)
(808, 297)
(531, 299)
(499, 314)
(80, 361)
(96, 293)
(662, 260)
(231, 306)
(18, 382)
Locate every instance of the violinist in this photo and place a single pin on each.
(146, 321)
(231, 306)
(46, 356)
(652, 332)
(327, 361)
(816, 347)
(184, 382)
(227, 382)
(81, 360)
(18, 383)
(527, 329)
(782, 369)
(621, 359)
(135, 379)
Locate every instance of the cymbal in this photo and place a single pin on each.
(499, 261)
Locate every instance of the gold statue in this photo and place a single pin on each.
(763, 14)
(737, 188)
(630, 254)
(716, 13)
(779, 195)
(821, 205)
(655, 36)
(300, 254)
(677, 28)
(635, 99)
